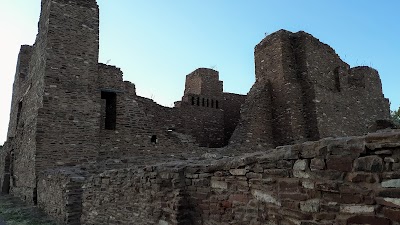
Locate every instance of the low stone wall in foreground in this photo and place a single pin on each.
(352, 180)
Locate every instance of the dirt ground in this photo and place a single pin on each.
(15, 212)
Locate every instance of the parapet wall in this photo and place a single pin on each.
(332, 181)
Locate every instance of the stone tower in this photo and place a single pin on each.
(304, 91)
(45, 129)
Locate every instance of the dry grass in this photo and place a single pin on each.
(16, 212)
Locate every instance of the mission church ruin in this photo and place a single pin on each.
(85, 148)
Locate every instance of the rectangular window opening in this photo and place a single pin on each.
(337, 79)
(216, 104)
(110, 110)
(19, 111)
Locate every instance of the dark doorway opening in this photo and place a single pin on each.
(111, 110)
(7, 175)
(35, 200)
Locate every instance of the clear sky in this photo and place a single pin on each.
(156, 43)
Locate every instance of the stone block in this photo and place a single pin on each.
(370, 220)
(357, 209)
(391, 202)
(275, 173)
(325, 216)
(251, 175)
(394, 183)
(308, 184)
(330, 207)
(265, 197)
(329, 174)
(317, 164)
(294, 214)
(294, 196)
(340, 163)
(289, 185)
(284, 164)
(391, 175)
(369, 164)
(362, 177)
(163, 222)
(239, 198)
(383, 152)
(311, 205)
(312, 149)
(392, 213)
(390, 193)
(301, 164)
(290, 204)
(219, 184)
(328, 186)
(238, 172)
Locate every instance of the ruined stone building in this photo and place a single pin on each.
(84, 147)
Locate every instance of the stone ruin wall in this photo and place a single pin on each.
(304, 91)
(345, 181)
(58, 99)
(231, 103)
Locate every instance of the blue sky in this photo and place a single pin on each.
(156, 43)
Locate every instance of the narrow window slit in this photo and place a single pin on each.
(110, 119)
(153, 139)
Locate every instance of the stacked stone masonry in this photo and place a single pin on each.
(85, 148)
(304, 91)
(352, 180)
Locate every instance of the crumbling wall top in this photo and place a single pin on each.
(83, 3)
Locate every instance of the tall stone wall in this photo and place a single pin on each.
(142, 127)
(54, 119)
(347, 101)
(68, 123)
(232, 104)
(27, 98)
(311, 94)
(255, 126)
(332, 181)
(204, 125)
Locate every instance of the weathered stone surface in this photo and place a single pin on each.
(317, 164)
(301, 164)
(369, 164)
(265, 197)
(357, 177)
(371, 220)
(391, 202)
(357, 209)
(340, 163)
(394, 183)
(312, 150)
(390, 193)
(311, 205)
(89, 150)
(392, 213)
(238, 172)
